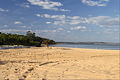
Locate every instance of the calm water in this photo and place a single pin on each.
(109, 47)
(14, 47)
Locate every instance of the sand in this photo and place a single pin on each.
(55, 63)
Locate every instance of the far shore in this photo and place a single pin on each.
(58, 63)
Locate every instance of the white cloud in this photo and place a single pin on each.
(60, 22)
(12, 30)
(3, 10)
(95, 3)
(25, 5)
(64, 10)
(83, 28)
(48, 22)
(102, 21)
(74, 22)
(63, 19)
(5, 26)
(37, 15)
(17, 22)
(57, 17)
(47, 4)
(49, 31)
(60, 29)
(74, 17)
(45, 31)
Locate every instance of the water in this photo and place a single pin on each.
(90, 46)
(14, 47)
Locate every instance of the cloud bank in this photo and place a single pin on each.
(95, 3)
(47, 4)
(3, 10)
(102, 21)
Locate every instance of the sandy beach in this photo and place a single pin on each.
(55, 63)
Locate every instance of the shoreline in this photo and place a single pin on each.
(19, 47)
(95, 46)
(58, 63)
(87, 48)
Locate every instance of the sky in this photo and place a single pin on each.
(62, 20)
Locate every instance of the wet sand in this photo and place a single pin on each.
(55, 63)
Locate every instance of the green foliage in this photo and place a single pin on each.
(48, 42)
(28, 40)
(30, 35)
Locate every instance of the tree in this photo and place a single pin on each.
(30, 35)
(29, 40)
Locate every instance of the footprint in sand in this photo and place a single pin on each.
(25, 74)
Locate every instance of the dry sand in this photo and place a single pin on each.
(59, 64)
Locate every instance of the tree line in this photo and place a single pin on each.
(30, 39)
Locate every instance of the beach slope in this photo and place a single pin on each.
(55, 63)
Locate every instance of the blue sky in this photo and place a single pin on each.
(62, 20)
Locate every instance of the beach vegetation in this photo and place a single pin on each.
(30, 39)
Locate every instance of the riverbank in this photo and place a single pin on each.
(55, 63)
